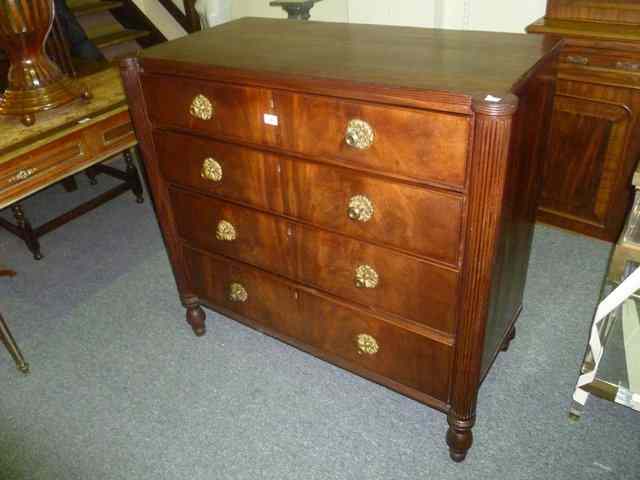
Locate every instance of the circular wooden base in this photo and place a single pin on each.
(27, 103)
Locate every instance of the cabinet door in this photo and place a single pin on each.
(587, 171)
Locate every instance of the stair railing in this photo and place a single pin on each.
(189, 20)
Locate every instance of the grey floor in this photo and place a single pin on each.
(121, 389)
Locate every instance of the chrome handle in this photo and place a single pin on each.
(366, 277)
(202, 108)
(367, 344)
(359, 134)
(360, 208)
(211, 170)
(237, 293)
(226, 231)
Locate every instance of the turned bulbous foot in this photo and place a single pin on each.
(196, 318)
(28, 119)
(459, 438)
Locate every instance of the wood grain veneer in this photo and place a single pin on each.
(416, 285)
(594, 144)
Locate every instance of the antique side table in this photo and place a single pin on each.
(66, 141)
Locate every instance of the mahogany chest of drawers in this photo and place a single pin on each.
(364, 193)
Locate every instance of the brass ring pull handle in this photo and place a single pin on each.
(367, 344)
(23, 175)
(202, 108)
(366, 277)
(237, 293)
(211, 170)
(578, 60)
(359, 134)
(226, 231)
(360, 208)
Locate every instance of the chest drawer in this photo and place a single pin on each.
(420, 220)
(331, 329)
(350, 269)
(422, 145)
(223, 169)
(245, 291)
(257, 238)
(416, 219)
(614, 60)
(378, 278)
(377, 345)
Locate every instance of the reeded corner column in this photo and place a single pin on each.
(494, 115)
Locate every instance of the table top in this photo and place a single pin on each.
(458, 62)
(108, 99)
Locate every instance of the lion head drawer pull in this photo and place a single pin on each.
(366, 277)
(360, 208)
(237, 293)
(202, 108)
(359, 135)
(226, 231)
(211, 170)
(367, 344)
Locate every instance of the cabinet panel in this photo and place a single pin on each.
(584, 188)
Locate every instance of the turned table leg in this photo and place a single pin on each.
(459, 437)
(12, 347)
(91, 174)
(134, 178)
(27, 233)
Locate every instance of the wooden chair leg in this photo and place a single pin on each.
(12, 347)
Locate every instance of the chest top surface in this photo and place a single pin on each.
(457, 62)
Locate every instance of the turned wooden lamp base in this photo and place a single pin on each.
(35, 83)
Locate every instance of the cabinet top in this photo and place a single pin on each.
(352, 55)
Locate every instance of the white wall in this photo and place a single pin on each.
(327, 10)
(490, 15)
(417, 13)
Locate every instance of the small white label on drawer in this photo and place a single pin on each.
(271, 119)
(491, 98)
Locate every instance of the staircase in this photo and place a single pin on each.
(119, 28)
(114, 40)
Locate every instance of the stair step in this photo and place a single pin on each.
(91, 7)
(110, 39)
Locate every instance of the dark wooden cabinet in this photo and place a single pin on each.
(371, 205)
(594, 144)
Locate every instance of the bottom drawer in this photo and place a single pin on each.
(363, 342)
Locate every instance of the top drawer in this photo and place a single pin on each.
(420, 145)
(609, 59)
